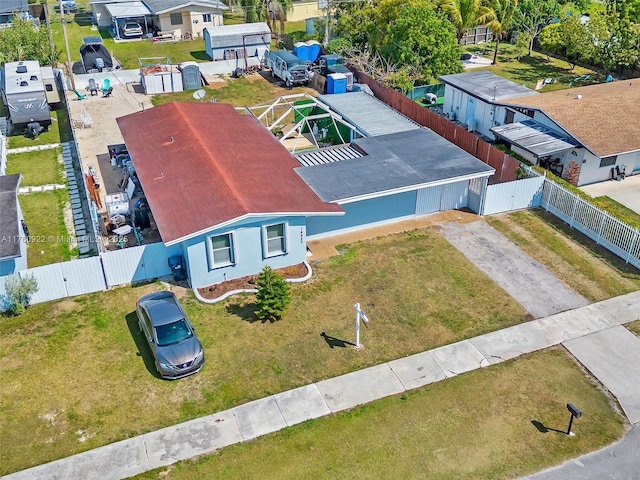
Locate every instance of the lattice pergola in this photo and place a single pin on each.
(281, 113)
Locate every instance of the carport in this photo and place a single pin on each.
(123, 11)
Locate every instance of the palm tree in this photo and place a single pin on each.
(462, 13)
(265, 11)
(498, 16)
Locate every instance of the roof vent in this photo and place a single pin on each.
(24, 83)
(21, 69)
(33, 78)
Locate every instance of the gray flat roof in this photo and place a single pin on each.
(10, 245)
(487, 86)
(534, 137)
(397, 162)
(370, 115)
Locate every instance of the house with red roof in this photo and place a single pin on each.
(228, 195)
(221, 187)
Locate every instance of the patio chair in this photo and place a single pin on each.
(106, 85)
(107, 92)
(81, 96)
(93, 87)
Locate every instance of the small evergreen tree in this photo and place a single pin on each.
(273, 296)
(18, 292)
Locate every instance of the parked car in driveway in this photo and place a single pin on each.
(172, 339)
(131, 28)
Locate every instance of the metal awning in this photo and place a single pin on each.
(127, 9)
(534, 137)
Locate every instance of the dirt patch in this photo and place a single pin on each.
(216, 291)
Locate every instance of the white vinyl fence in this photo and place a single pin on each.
(99, 273)
(516, 195)
(599, 226)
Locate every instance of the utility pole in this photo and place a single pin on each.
(66, 47)
(327, 30)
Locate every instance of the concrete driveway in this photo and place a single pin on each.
(626, 192)
(527, 281)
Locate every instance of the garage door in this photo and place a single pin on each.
(442, 197)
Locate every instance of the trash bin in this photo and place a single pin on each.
(176, 264)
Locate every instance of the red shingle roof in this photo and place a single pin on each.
(202, 165)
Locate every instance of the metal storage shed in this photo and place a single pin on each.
(370, 115)
(228, 42)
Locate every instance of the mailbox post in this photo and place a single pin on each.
(575, 413)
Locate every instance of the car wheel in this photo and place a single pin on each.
(288, 83)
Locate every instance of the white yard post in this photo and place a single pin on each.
(357, 307)
(360, 315)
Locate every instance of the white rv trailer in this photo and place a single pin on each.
(24, 95)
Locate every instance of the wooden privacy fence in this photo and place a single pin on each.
(506, 166)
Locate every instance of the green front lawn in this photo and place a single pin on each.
(77, 374)
(57, 132)
(37, 168)
(504, 421)
(43, 214)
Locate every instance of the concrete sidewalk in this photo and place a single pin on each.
(205, 435)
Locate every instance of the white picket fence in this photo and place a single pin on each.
(598, 225)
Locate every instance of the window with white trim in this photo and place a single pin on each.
(221, 251)
(176, 18)
(206, 17)
(275, 239)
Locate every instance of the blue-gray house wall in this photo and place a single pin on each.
(248, 247)
(361, 213)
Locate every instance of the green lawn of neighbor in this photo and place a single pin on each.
(43, 214)
(57, 132)
(634, 326)
(528, 70)
(479, 425)
(37, 168)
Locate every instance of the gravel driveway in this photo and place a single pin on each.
(526, 280)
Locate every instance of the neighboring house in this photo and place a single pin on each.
(475, 99)
(303, 9)
(222, 188)
(583, 134)
(13, 246)
(229, 42)
(9, 8)
(602, 121)
(190, 17)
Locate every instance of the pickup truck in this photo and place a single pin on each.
(334, 63)
(287, 67)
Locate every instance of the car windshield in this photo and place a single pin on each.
(171, 333)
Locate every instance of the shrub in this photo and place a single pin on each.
(18, 292)
(273, 296)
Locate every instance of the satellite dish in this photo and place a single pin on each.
(199, 94)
